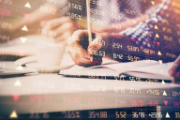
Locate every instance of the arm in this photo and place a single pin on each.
(124, 25)
(33, 21)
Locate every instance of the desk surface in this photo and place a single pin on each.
(52, 92)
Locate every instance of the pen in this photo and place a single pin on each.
(89, 25)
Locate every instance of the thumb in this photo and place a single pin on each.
(97, 44)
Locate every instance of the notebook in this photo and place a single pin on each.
(149, 69)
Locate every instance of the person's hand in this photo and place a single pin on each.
(79, 48)
(175, 71)
(60, 28)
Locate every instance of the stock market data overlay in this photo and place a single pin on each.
(90, 59)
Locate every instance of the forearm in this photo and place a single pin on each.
(35, 17)
(118, 27)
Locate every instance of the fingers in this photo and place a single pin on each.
(82, 61)
(79, 55)
(79, 40)
(77, 36)
(94, 46)
(175, 68)
(175, 71)
(60, 28)
(176, 79)
(80, 35)
(76, 50)
(99, 43)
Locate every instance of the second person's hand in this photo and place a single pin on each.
(175, 71)
(60, 28)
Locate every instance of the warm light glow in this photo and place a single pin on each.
(19, 67)
(159, 53)
(160, 61)
(23, 40)
(167, 115)
(157, 36)
(155, 27)
(164, 93)
(13, 115)
(27, 5)
(152, 2)
(24, 28)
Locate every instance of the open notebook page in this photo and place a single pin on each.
(110, 69)
(153, 72)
